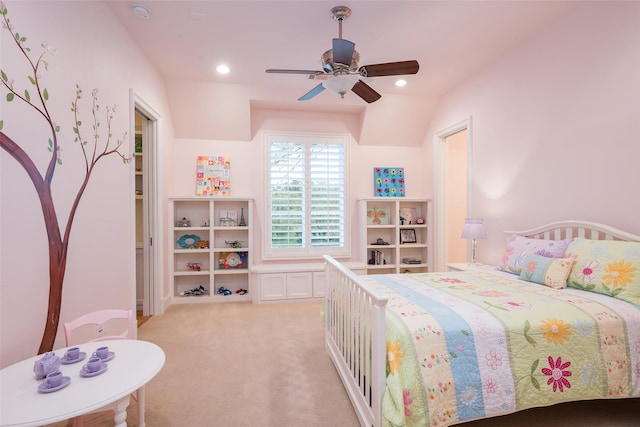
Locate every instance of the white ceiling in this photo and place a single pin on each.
(451, 40)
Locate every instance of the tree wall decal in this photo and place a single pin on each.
(35, 96)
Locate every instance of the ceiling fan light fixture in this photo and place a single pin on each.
(341, 83)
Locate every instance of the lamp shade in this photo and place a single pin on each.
(473, 229)
(341, 83)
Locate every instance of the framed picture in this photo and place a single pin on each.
(408, 235)
(212, 176)
(408, 216)
(377, 216)
(388, 182)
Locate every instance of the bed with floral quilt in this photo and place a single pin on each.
(558, 320)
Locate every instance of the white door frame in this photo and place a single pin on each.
(152, 304)
(440, 186)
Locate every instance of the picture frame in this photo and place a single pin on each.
(408, 235)
(388, 182)
(377, 216)
(408, 216)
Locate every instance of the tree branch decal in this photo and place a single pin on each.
(36, 97)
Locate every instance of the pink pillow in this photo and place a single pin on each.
(519, 247)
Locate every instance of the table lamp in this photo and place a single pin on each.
(473, 229)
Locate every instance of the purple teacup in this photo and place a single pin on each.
(93, 365)
(72, 354)
(101, 352)
(54, 379)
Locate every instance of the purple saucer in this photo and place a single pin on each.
(84, 372)
(66, 361)
(42, 388)
(110, 356)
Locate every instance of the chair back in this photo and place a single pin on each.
(95, 319)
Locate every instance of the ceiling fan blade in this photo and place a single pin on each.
(277, 71)
(390, 69)
(313, 92)
(365, 92)
(343, 51)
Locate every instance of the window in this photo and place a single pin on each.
(307, 195)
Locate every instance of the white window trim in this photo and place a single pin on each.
(305, 253)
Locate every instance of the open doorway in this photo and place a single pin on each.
(146, 247)
(456, 194)
(452, 156)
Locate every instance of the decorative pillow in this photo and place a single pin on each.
(552, 272)
(519, 247)
(608, 267)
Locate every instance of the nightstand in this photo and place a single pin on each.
(464, 266)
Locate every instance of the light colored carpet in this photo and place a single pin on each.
(240, 364)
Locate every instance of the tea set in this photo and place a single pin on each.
(47, 368)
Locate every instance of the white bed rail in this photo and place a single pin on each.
(354, 330)
(573, 228)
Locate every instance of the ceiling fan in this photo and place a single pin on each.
(341, 67)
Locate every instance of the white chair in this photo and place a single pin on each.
(85, 329)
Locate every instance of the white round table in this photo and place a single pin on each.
(134, 364)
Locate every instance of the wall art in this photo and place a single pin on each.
(212, 176)
(388, 182)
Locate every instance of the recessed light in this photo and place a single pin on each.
(198, 16)
(140, 11)
(401, 83)
(223, 69)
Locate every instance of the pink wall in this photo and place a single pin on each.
(554, 133)
(247, 160)
(93, 52)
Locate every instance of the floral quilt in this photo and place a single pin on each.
(469, 345)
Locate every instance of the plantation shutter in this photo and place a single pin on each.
(327, 183)
(287, 185)
(307, 186)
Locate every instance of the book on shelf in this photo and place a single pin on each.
(411, 261)
(377, 258)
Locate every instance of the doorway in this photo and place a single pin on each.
(146, 247)
(452, 196)
(456, 194)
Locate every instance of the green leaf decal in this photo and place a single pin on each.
(535, 383)
(4, 75)
(45, 94)
(32, 80)
(534, 366)
(527, 328)
(1, 124)
(27, 96)
(10, 96)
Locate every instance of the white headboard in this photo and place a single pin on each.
(571, 228)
